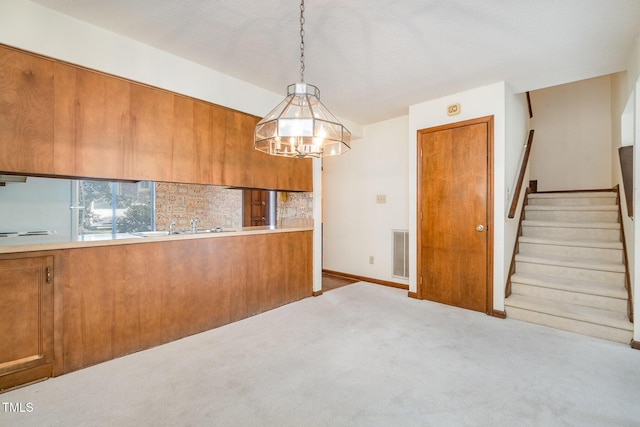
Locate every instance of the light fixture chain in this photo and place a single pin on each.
(302, 41)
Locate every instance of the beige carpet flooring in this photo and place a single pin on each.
(360, 355)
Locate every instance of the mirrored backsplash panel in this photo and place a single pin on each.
(58, 205)
(37, 204)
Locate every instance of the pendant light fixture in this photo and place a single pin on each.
(301, 126)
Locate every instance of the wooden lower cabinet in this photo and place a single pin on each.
(26, 320)
(126, 298)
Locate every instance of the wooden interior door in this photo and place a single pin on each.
(256, 210)
(26, 320)
(455, 214)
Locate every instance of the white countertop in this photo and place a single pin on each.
(54, 242)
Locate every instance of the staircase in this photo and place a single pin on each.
(569, 271)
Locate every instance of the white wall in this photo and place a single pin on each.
(626, 103)
(355, 226)
(572, 143)
(509, 132)
(384, 162)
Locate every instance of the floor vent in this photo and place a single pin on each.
(401, 253)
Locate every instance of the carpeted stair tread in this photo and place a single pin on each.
(592, 315)
(574, 195)
(579, 286)
(571, 208)
(602, 244)
(571, 224)
(587, 264)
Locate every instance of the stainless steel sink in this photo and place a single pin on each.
(151, 233)
(166, 233)
(215, 230)
(205, 230)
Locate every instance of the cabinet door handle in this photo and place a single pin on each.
(48, 274)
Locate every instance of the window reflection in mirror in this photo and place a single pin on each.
(102, 207)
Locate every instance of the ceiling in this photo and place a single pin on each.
(371, 59)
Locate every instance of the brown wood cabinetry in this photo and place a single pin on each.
(91, 123)
(26, 320)
(122, 299)
(26, 113)
(61, 119)
(149, 152)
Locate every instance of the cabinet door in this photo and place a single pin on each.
(246, 167)
(193, 141)
(26, 113)
(184, 159)
(295, 174)
(26, 320)
(91, 123)
(234, 145)
(150, 149)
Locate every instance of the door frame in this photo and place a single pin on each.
(489, 208)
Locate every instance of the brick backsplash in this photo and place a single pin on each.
(214, 206)
(217, 206)
(295, 209)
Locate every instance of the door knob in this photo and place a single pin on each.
(479, 227)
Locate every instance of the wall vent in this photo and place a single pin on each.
(401, 254)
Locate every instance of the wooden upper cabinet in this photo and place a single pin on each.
(256, 169)
(238, 166)
(185, 165)
(63, 120)
(149, 152)
(26, 113)
(294, 174)
(92, 124)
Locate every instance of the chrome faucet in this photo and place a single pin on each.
(171, 225)
(194, 225)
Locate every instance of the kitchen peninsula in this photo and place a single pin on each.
(68, 304)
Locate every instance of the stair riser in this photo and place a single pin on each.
(584, 328)
(572, 201)
(567, 216)
(614, 278)
(614, 255)
(596, 301)
(609, 235)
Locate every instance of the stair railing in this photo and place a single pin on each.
(627, 281)
(523, 168)
(515, 197)
(512, 266)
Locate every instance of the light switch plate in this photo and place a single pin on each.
(381, 198)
